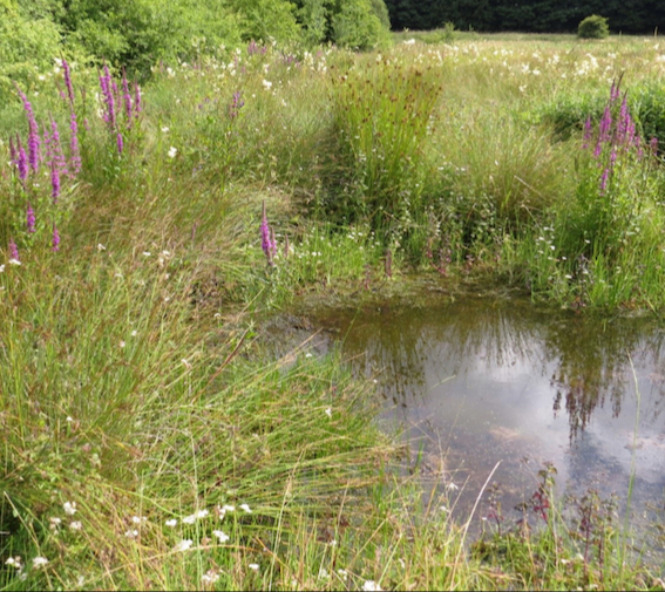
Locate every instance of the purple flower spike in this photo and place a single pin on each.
(68, 82)
(120, 143)
(127, 99)
(13, 250)
(74, 150)
(266, 239)
(30, 219)
(22, 163)
(56, 239)
(55, 183)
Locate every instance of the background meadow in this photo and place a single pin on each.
(153, 221)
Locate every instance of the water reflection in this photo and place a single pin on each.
(499, 380)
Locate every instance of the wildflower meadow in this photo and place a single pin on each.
(152, 230)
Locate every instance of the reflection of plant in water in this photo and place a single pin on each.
(404, 345)
(593, 367)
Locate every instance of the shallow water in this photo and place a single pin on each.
(477, 381)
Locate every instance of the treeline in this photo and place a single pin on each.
(551, 16)
(137, 34)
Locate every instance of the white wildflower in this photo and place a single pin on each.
(210, 577)
(254, 566)
(246, 508)
(171, 522)
(172, 152)
(132, 533)
(76, 525)
(371, 586)
(184, 545)
(38, 562)
(70, 508)
(267, 84)
(14, 262)
(329, 412)
(222, 537)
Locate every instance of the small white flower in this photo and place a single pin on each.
(171, 522)
(246, 508)
(371, 586)
(184, 545)
(132, 533)
(165, 130)
(452, 487)
(38, 562)
(146, 253)
(254, 566)
(139, 519)
(228, 508)
(267, 84)
(222, 537)
(134, 333)
(14, 262)
(342, 572)
(54, 522)
(210, 577)
(172, 152)
(70, 508)
(2, 268)
(122, 344)
(76, 525)
(14, 562)
(323, 574)
(101, 247)
(329, 412)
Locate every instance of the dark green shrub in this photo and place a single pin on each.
(593, 27)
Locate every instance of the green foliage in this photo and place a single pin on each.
(267, 20)
(357, 26)
(27, 49)
(593, 27)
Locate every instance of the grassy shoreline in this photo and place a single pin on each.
(138, 405)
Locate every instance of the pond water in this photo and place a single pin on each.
(475, 382)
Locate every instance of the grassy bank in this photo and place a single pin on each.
(148, 233)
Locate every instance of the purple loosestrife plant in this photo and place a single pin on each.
(236, 104)
(105, 83)
(120, 143)
(57, 156)
(30, 219)
(74, 149)
(55, 183)
(267, 240)
(22, 163)
(55, 239)
(13, 251)
(127, 100)
(68, 82)
(33, 133)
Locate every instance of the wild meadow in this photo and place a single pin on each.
(149, 232)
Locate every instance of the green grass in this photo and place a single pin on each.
(136, 379)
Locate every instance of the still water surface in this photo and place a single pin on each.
(476, 382)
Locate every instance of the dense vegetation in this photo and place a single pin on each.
(550, 16)
(155, 217)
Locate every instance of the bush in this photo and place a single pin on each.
(27, 49)
(593, 27)
(356, 26)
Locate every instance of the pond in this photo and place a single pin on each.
(476, 381)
